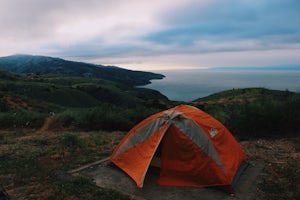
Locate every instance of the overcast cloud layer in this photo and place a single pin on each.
(155, 34)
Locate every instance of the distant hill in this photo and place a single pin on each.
(50, 65)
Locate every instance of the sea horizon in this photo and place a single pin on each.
(191, 84)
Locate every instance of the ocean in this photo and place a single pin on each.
(188, 85)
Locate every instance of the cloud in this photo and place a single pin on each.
(221, 22)
(140, 31)
(65, 23)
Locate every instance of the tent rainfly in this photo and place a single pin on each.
(195, 149)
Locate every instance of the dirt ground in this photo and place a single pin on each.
(108, 176)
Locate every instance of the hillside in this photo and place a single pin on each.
(51, 124)
(255, 112)
(76, 101)
(50, 65)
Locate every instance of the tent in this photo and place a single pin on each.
(194, 149)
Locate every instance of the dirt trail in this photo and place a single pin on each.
(50, 124)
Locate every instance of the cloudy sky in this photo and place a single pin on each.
(158, 34)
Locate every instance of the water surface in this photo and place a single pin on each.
(188, 85)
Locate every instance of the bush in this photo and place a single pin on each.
(22, 119)
(68, 117)
(264, 117)
(105, 117)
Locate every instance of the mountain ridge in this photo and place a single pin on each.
(37, 64)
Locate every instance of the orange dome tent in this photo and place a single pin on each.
(195, 148)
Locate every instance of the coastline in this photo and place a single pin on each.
(188, 85)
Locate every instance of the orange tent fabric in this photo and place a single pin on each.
(195, 148)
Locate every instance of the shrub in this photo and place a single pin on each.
(22, 119)
(68, 117)
(264, 117)
(106, 117)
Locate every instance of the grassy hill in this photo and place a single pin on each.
(53, 123)
(255, 112)
(58, 66)
(27, 100)
(84, 103)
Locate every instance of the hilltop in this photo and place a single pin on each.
(58, 66)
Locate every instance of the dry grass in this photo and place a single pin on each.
(34, 164)
(281, 177)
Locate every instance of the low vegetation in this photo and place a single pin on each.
(34, 166)
(79, 103)
(104, 117)
(51, 124)
(255, 112)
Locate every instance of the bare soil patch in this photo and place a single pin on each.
(109, 176)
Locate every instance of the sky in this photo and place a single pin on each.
(158, 34)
